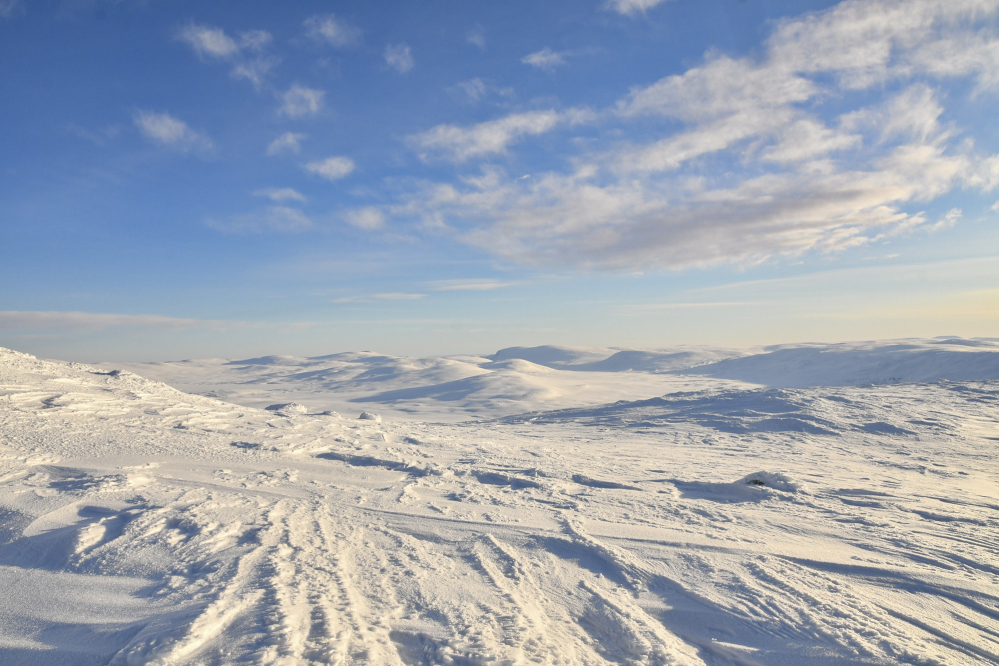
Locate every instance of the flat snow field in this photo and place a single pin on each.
(810, 504)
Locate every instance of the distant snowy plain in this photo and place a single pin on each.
(802, 504)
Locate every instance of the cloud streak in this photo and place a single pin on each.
(545, 59)
(374, 298)
(281, 194)
(470, 285)
(90, 321)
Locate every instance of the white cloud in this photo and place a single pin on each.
(777, 154)
(301, 101)
(281, 194)
(169, 131)
(210, 42)
(289, 142)
(720, 87)
(273, 218)
(215, 43)
(90, 321)
(459, 144)
(399, 57)
(545, 59)
(867, 42)
(995, 207)
(332, 168)
(476, 37)
(632, 7)
(806, 139)
(326, 28)
(369, 219)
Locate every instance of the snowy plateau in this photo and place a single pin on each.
(823, 504)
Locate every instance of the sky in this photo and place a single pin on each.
(188, 179)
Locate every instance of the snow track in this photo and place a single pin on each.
(734, 526)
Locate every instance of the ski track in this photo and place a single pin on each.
(609, 535)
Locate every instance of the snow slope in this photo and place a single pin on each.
(849, 364)
(720, 523)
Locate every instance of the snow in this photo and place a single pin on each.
(811, 504)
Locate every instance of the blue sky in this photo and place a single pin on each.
(186, 179)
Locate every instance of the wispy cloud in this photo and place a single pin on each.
(371, 298)
(545, 59)
(281, 194)
(7, 7)
(632, 7)
(169, 131)
(469, 285)
(214, 44)
(327, 29)
(476, 37)
(474, 90)
(332, 168)
(399, 57)
(89, 321)
(750, 162)
(274, 218)
(98, 137)
(949, 219)
(289, 142)
(253, 70)
(300, 101)
(645, 307)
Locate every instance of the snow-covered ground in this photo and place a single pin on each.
(809, 504)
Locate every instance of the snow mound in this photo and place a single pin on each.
(288, 408)
(551, 355)
(368, 416)
(775, 480)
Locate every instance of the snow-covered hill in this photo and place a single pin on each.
(720, 521)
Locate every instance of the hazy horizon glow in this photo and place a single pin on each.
(185, 181)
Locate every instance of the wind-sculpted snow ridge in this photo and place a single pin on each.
(827, 526)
